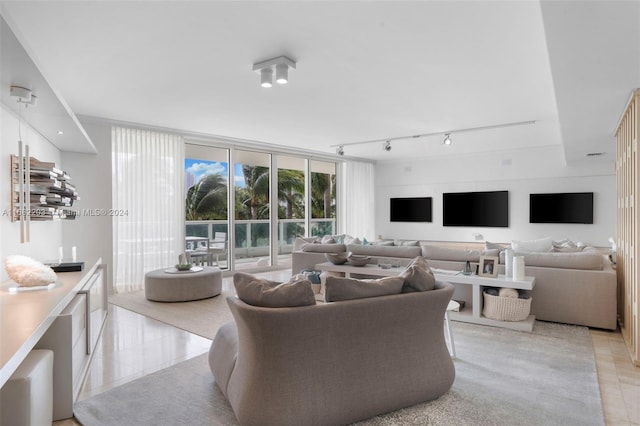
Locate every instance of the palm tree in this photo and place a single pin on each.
(207, 199)
(322, 195)
(290, 193)
(257, 181)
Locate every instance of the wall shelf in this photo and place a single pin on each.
(48, 190)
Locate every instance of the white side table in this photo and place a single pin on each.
(453, 305)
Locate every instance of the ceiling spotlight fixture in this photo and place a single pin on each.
(387, 146)
(340, 150)
(447, 139)
(281, 65)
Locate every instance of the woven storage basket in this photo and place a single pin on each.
(506, 308)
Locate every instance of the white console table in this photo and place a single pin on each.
(75, 308)
(477, 283)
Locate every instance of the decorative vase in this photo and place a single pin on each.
(467, 268)
(508, 262)
(518, 268)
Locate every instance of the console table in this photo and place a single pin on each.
(67, 319)
(476, 283)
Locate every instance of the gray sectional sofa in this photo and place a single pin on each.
(333, 363)
(573, 288)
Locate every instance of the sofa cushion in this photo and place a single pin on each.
(272, 294)
(299, 242)
(540, 245)
(385, 251)
(418, 276)
(444, 253)
(582, 260)
(411, 243)
(324, 248)
(339, 288)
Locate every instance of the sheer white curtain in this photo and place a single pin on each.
(148, 169)
(358, 201)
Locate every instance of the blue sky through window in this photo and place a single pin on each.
(195, 169)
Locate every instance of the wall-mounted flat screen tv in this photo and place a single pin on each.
(410, 209)
(568, 207)
(485, 209)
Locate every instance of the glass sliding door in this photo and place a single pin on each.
(252, 225)
(291, 201)
(206, 187)
(323, 197)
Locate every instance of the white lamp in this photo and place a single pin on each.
(266, 77)
(282, 73)
(447, 139)
(281, 64)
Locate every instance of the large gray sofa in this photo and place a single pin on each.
(333, 363)
(572, 288)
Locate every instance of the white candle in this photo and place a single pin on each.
(60, 254)
(73, 253)
(518, 268)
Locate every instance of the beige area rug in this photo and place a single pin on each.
(201, 317)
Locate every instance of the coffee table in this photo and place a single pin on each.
(476, 283)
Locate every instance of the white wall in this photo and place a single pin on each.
(91, 232)
(46, 237)
(520, 172)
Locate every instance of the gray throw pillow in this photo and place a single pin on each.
(272, 294)
(338, 288)
(418, 276)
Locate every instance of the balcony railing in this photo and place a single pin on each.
(252, 236)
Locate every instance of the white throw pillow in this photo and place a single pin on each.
(28, 272)
(272, 294)
(540, 245)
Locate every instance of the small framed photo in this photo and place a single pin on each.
(488, 266)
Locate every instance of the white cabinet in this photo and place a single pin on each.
(73, 337)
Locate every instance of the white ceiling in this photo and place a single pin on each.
(365, 70)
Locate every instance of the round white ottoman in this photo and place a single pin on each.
(162, 286)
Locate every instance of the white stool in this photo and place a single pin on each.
(27, 397)
(453, 305)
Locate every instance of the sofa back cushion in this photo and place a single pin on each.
(272, 294)
(582, 260)
(341, 288)
(540, 245)
(384, 251)
(324, 248)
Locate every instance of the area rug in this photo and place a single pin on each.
(503, 377)
(201, 317)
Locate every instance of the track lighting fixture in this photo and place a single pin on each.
(281, 65)
(340, 150)
(447, 135)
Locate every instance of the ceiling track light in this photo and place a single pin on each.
(447, 134)
(340, 150)
(280, 65)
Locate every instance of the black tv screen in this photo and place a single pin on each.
(410, 209)
(486, 209)
(569, 207)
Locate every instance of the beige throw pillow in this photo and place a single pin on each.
(272, 294)
(338, 288)
(418, 276)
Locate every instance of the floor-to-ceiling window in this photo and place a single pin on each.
(323, 197)
(300, 192)
(206, 187)
(291, 200)
(252, 177)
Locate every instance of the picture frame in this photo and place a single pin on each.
(488, 266)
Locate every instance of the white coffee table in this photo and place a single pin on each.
(477, 283)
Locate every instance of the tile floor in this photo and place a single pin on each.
(134, 345)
